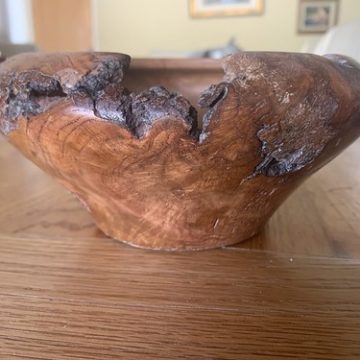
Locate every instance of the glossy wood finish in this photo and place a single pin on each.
(67, 291)
(321, 218)
(137, 159)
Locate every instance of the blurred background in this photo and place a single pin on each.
(180, 28)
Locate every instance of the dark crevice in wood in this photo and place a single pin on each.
(28, 94)
(209, 99)
(109, 71)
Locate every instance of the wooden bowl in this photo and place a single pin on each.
(155, 172)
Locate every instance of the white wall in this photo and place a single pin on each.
(16, 21)
(20, 24)
(138, 27)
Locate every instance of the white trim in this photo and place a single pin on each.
(20, 23)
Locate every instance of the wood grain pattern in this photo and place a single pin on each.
(138, 160)
(94, 301)
(322, 218)
(68, 292)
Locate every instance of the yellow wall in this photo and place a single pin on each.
(138, 27)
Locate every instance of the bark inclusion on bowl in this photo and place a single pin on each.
(31, 92)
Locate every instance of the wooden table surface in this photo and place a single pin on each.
(68, 292)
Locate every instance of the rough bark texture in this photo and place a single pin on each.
(140, 163)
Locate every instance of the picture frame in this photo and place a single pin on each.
(317, 16)
(223, 8)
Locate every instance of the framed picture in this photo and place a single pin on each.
(216, 8)
(317, 16)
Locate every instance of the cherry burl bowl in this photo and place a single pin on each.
(180, 154)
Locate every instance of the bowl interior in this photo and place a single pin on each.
(188, 77)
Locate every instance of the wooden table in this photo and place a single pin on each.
(68, 292)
